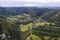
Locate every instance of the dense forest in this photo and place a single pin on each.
(29, 23)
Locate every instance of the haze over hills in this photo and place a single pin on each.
(34, 11)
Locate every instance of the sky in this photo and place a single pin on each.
(29, 3)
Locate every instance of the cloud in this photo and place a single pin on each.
(10, 3)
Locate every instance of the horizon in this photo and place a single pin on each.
(29, 3)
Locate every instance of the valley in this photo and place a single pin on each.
(30, 23)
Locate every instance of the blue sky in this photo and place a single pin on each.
(29, 3)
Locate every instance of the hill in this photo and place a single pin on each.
(52, 16)
(33, 11)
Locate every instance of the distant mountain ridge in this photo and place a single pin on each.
(34, 11)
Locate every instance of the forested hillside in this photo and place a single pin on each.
(29, 23)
